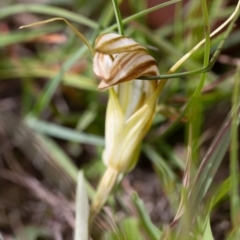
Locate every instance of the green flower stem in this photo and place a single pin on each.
(118, 17)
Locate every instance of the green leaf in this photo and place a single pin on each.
(34, 70)
(24, 36)
(208, 231)
(64, 133)
(131, 228)
(153, 232)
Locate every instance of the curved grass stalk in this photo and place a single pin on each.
(81, 36)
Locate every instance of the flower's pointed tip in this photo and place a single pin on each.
(103, 86)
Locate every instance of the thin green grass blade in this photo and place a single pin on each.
(195, 109)
(216, 16)
(116, 232)
(207, 40)
(234, 165)
(79, 34)
(167, 176)
(153, 232)
(131, 228)
(208, 231)
(170, 155)
(64, 133)
(210, 164)
(34, 71)
(87, 117)
(216, 4)
(137, 8)
(215, 153)
(107, 15)
(178, 24)
(47, 10)
(140, 14)
(220, 193)
(24, 36)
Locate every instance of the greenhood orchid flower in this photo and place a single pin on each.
(129, 115)
(119, 61)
